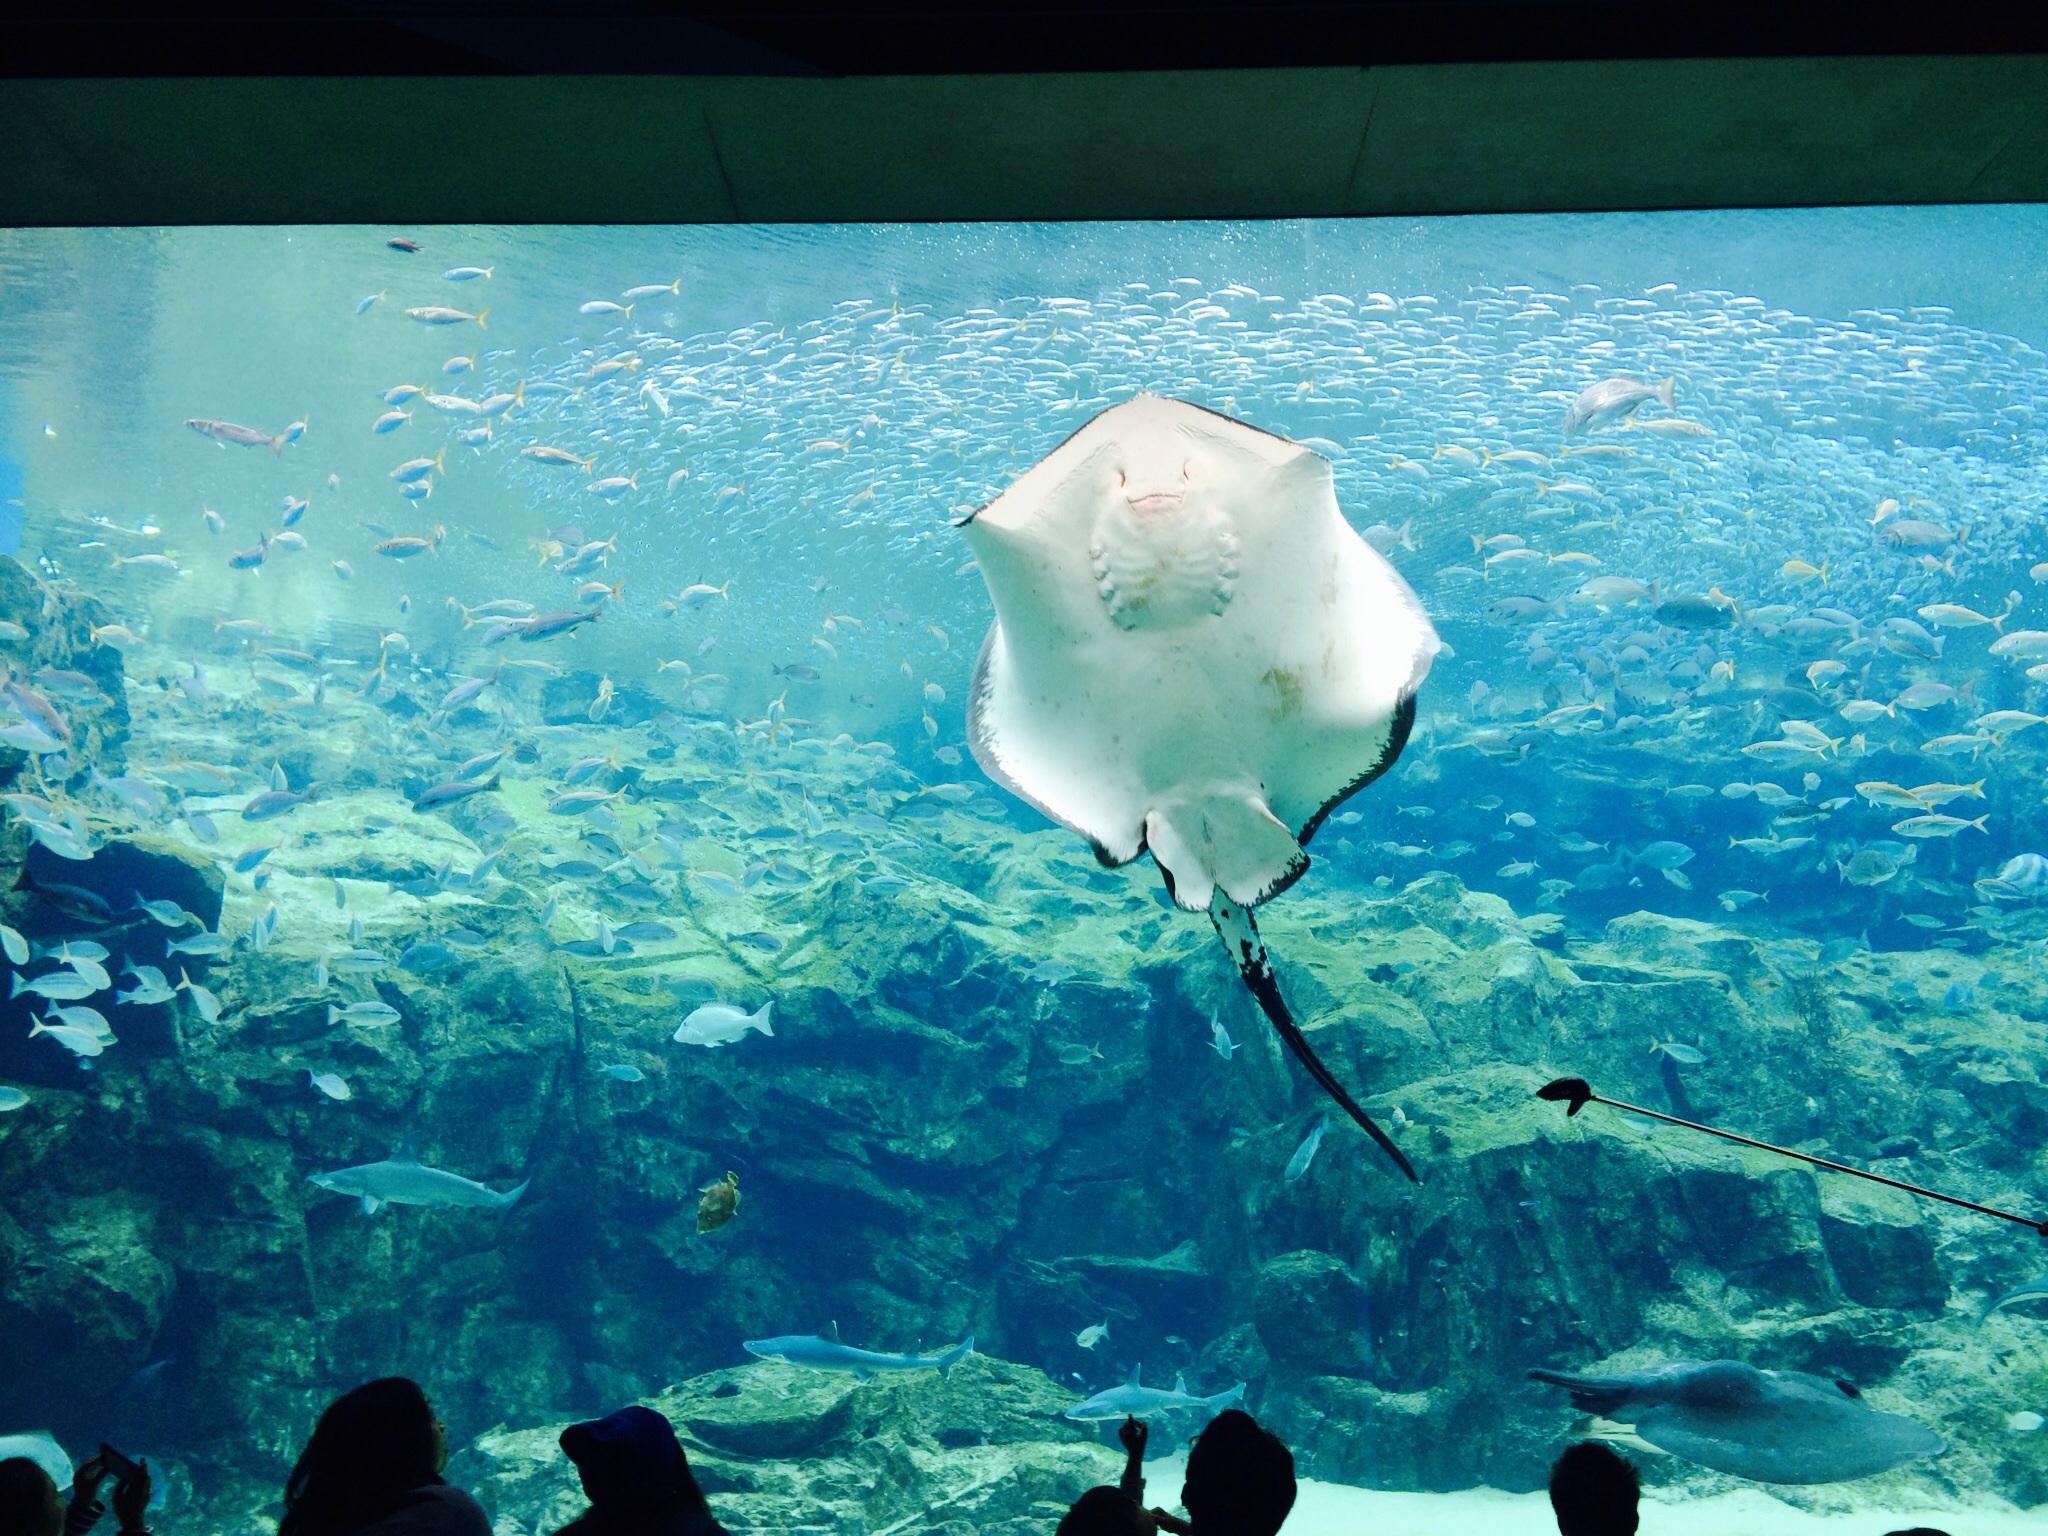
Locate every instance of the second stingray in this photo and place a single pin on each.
(1773, 1426)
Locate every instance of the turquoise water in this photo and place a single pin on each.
(1722, 793)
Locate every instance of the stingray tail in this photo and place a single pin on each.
(1240, 935)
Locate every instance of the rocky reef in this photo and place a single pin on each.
(922, 1153)
(776, 1448)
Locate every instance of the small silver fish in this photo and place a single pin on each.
(226, 432)
(202, 999)
(1305, 1154)
(368, 1012)
(1219, 1039)
(440, 314)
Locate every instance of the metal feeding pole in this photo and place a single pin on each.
(1575, 1093)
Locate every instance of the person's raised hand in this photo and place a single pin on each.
(131, 1498)
(1132, 1432)
(86, 1480)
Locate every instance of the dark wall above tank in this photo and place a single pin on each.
(378, 113)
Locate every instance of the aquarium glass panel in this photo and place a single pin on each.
(910, 843)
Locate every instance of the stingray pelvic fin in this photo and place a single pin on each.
(1221, 846)
(1240, 936)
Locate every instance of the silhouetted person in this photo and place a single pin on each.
(130, 1498)
(636, 1477)
(1106, 1511)
(1918, 1530)
(1593, 1491)
(373, 1468)
(1118, 1511)
(1133, 1433)
(1240, 1478)
(30, 1504)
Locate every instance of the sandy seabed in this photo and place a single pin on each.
(1325, 1509)
(1336, 1509)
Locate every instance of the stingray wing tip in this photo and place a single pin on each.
(1574, 1092)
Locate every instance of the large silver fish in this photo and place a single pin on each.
(403, 1180)
(226, 432)
(1613, 400)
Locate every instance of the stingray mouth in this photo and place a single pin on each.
(1156, 503)
(1162, 496)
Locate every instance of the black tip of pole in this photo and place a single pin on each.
(1572, 1091)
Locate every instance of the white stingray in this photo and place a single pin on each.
(1193, 655)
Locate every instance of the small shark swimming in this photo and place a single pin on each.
(824, 1352)
(1773, 1426)
(1195, 656)
(1130, 1400)
(403, 1180)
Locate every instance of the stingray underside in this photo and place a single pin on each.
(1772, 1426)
(1205, 683)
(1194, 655)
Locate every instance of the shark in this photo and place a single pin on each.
(402, 1179)
(824, 1352)
(1130, 1400)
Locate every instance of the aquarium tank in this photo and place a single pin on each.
(643, 815)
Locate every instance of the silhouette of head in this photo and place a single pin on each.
(1918, 1530)
(1240, 1478)
(632, 1464)
(1593, 1491)
(1106, 1511)
(371, 1448)
(29, 1503)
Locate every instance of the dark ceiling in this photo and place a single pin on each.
(369, 38)
(398, 113)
